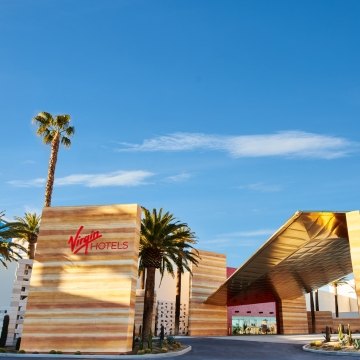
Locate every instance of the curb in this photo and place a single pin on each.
(108, 357)
(331, 352)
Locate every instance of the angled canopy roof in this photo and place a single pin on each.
(310, 250)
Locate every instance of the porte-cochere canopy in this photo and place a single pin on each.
(310, 250)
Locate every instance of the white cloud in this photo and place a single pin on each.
(39, 182)
(117, 178)
(248, 233)
(287, 143)
(259, 186)
(247, 238)
(179, 177)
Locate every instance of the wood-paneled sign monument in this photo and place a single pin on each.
(83, 285)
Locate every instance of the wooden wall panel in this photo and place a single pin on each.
(139, 311)
(324, 318)
(83, 299)
(292, 316)
(204, 319)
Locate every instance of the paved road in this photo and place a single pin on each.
(226, 349)
(220, 349)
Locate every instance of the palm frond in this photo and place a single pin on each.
(43, 119)
(166, 241)
(66, 141)
(70, 131)
(61, 121)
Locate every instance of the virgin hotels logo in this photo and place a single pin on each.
(86, 242)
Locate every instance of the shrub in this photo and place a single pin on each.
(337, 347)
(141, 352)
(147, 351)
(164, 349)
(52, 352)
(171, 340)
(77, 353)
(356, 344)
(350, 338)
(2, 351)
(22, 352)
(340, 332)
(316, 343)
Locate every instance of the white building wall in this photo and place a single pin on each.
(165, 289)
(7, 276)
(347, 304)
(19, 300)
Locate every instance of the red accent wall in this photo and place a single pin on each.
(267, 309)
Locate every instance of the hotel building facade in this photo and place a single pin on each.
(84, 291)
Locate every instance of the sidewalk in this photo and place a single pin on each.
(287, 339)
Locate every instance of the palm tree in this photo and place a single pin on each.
(182, 263)
(335, 284)
(53, 130)
(9, 251)
(27, 229)
(162, 243)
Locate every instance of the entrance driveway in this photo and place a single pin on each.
(264, 347)
(232, 348)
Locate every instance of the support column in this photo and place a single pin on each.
(292, 316)
(353, 225)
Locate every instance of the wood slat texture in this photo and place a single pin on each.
(204, 319)
(292, 316)
(84, 302)
(324, 318)
(353, 225)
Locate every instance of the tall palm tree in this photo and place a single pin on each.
(9, 251)
(335, 284)
(162, 241)
(27, 229)
(53, 130)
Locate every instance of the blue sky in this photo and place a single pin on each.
(230, 114)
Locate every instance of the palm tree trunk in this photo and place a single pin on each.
(312, 312)
(317, 300)
(31, 251)
(142, 279)
(51, 170)
(177, 301)
(336, 303)
(148, 303)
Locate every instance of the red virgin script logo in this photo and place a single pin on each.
(80, 241)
